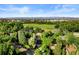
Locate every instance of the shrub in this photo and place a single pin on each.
(57, 50)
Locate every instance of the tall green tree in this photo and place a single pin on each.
(21, 37)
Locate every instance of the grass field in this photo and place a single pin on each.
(46, 27)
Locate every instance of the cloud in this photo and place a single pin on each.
(17, 10)
(60, 11)
(25, 11)
(57, 7)
(63, 10)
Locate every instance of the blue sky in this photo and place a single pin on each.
(39, 10)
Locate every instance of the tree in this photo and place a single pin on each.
(37, 29)
(5, 38)
(5, 49)
(17, 26)
(37, 52)
(14, 36)
(1, 49)
(57, 50)
(11, 50)
(21, 37)
(70, 38)
(31, 41)
(27, 34)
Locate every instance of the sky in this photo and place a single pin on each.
(39, 10)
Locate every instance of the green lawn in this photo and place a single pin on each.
(43, 26)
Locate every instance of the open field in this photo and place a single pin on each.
(49, 27)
